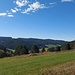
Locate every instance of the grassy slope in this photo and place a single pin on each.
(50, 45)
(34, 64)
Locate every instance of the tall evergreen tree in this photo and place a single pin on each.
(43, 50)
(34, 49)
(21, 49)
(58, 48)
(66, 46)
(72, 44)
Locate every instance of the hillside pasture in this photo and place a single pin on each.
(34, 65)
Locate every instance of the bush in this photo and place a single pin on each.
(8, 54)
(2, 54)
(52, 49)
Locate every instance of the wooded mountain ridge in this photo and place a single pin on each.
(11, 43)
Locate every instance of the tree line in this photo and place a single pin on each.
(22, 49)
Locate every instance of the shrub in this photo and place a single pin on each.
(2, 54)
(8, 54)
(52, 49)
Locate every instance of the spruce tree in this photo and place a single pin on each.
(34, 49)
(66, 46)
(21, 49)
(58, 48)
(43, 50)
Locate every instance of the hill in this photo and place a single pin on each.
(39, 64)
(11, 43)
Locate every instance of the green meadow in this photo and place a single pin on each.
(34, 65)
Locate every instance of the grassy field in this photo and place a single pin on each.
(50, 45)
(34, 65)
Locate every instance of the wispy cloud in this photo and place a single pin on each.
(21, 3)
(3, 14)
(33, 7)
(52, 3)
(67, 0)
(10, 15)
(13, 10)
(17, 9)
(27, 6)
(6, 14)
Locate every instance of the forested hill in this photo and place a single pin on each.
(10, 42)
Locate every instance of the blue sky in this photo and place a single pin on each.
(48, 19)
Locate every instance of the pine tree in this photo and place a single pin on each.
(21, 49)
(66, 46)
(34, 49)
(58, 48)
(43, 50)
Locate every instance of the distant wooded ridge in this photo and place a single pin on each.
(11, 43)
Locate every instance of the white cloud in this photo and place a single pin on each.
(21, 3)
(14, 11)
(17, 9)
(53, 3)
(3, 14)
(33, 7)
(10, 15)
(6, 14)
(67, 0)
(27, 6)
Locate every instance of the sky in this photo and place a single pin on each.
(44, 19)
